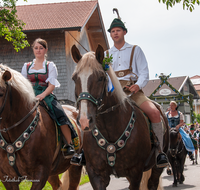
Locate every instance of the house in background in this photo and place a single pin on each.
(165, 94)
(62, 25)
(196, 82)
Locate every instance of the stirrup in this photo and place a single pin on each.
(76, 159)
(69, 152)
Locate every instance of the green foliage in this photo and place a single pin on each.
(10, 26)
(26, 185)
(188, 4)
(197, 117)
(107, 61)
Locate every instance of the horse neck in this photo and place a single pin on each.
(15, 109)
(113, 123)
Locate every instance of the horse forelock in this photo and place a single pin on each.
(88, 61)
(21, 84)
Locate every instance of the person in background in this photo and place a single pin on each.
(43, 76)
(195, 140)
(176, 120)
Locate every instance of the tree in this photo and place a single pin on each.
(10, 26)
(189, 4)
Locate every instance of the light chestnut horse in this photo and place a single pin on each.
(116, 134)
(28, 145)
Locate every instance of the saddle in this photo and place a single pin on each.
(60, 139)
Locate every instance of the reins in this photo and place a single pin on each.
(22, 120)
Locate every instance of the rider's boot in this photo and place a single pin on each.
(161, 157)
(78, 159)
(196, 159)
(191, 156)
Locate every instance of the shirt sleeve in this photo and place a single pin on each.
(24, 70)
(52, 75)
(142, 68)
(181, 116)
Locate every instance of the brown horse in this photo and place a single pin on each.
(116, 134)
(177, 154)
(28, 146)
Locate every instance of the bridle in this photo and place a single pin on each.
(8, 90)
(174, 151)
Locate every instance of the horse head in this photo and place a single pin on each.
(90, 83)
(175, 139)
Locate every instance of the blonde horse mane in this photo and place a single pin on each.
(89, 60)
(21, 84)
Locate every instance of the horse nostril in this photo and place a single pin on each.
(86, 129)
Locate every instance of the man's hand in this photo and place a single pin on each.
(133, 88)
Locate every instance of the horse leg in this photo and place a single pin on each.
(11, 185)
(154, 178)
(55, 182)
(135, 178)
(174, 174)
(71, 178)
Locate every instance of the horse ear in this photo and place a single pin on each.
(75, 54)
(6, 76)
(99, 54)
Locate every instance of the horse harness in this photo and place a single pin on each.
(176, 149)
(11, 148)
(111, 148)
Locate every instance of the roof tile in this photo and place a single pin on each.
(55, 15)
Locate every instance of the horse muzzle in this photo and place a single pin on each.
(85, 123)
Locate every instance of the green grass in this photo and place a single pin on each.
(26, 185)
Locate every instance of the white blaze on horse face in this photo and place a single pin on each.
(84, 75)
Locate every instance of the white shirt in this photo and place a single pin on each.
(121, 61)
(52, 75)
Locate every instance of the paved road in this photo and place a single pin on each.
(192, 180)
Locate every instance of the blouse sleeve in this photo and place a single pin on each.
(52, 75)
(24, 70)
(181, 116)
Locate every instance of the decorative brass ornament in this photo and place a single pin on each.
(2, 143)
(120, 143)
(11, 158)
(10, 149)
(18, 144)
(111, 158)
(95, 132)
(127, 133)
(111, 148)
(25, 135)
(102, 142)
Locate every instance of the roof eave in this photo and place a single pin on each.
(78, 28)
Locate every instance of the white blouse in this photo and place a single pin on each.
(52, 75)
(121, 61)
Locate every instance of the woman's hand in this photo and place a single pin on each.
(40, 96)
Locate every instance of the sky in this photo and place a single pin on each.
(170, 39)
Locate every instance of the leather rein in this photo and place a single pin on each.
(8, 89)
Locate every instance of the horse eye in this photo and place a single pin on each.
(101, 78)
(1, 94)
(74, 77)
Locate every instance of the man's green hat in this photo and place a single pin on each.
(117, 22)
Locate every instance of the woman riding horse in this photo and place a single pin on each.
(176, 120)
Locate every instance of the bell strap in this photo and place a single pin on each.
(112, 148)
(19, 143)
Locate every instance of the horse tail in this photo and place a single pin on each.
(145, 178)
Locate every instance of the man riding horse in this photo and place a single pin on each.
(131, 68)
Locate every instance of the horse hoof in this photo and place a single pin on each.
(169, 172)
(174, 185)
(181, 182)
